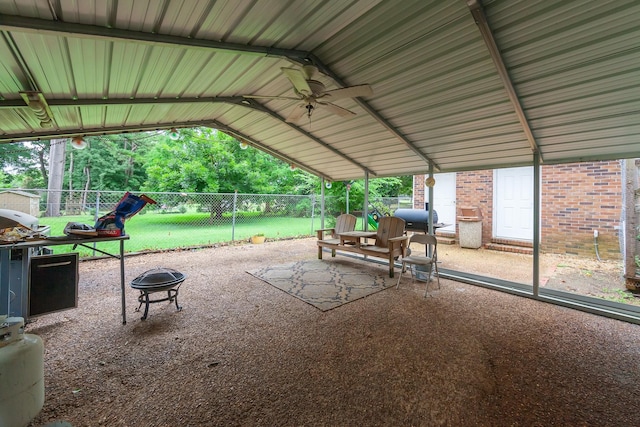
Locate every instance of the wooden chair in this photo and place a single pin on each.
(390, 241)
(344, 223)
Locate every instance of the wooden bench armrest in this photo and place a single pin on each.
(401, 239)
(320, 232)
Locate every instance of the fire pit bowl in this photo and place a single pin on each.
(159, 279)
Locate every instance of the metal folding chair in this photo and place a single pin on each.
(429, 260)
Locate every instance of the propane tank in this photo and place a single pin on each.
(21, 373)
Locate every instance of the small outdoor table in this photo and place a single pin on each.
(22, 300)
(355, 237)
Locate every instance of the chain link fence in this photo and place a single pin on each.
(188, 220)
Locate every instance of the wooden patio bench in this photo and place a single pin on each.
(327, 237)
(390, 242)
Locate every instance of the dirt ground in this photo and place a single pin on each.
(579, 275)
(244, 353)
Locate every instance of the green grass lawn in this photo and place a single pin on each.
(156, 231)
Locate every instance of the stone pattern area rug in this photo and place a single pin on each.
(326, 284)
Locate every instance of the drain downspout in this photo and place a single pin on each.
(595, 244)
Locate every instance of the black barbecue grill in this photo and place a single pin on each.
(158, 280)
(416, 219)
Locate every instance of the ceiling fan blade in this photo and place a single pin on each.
(308, 71)
(349, 92)
(297, 79)
(333, 108)
(297, 112)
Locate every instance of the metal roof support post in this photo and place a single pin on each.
(322, 202)
(629, 218)
(431, 230)
(536, 223)
(365, 210)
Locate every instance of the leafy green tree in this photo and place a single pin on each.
(208, 160)
(378, 187)
(25, 163)
(111, 162)
(204, 160)
(5, 179)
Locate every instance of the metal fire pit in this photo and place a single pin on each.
(158, 280)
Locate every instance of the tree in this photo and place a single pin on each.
(56, 175)
(208, 160)
(111, 162)
(205, 160)
(378, 187)
(26, 163)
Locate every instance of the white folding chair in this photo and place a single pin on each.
(429, 260)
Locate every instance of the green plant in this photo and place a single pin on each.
(587, 273)
(619, 295)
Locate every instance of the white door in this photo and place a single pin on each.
(513, 203)
(444, 199)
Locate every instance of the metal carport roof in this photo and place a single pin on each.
(462, 84)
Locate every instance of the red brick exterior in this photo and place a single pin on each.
(577, 199)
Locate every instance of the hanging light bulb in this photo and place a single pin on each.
(78, 143)
(243, 144)
(173, 134)
(292, 167)
(327, 184)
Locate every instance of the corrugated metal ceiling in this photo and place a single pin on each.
(572, 69)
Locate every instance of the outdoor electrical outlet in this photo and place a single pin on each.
(595, 233)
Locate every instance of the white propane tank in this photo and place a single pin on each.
(21, 373)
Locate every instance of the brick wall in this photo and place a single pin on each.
(419, 197)
(577, 199)
(476, 189)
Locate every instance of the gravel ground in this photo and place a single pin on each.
(243, 353)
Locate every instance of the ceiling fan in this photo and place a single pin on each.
(313, 94)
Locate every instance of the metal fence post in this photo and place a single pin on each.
(233, 217)
(96, 215)
(313, 210)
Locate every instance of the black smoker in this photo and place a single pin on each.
(416, 219)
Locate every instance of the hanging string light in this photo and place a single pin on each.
(243, 144)
(328, 184)
(173, 134)
(78, 143)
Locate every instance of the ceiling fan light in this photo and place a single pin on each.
(78, 143)
(173, 134)
(38, 105)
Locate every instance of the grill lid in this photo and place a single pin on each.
(417, 216)
(157, 278)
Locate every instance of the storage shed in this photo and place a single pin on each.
(20, 201)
